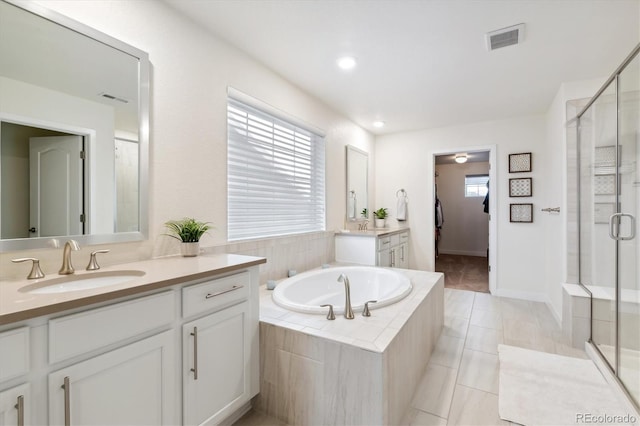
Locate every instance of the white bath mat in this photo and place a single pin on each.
(538, 388)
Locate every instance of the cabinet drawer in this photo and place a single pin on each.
(404, 237)
(214, 294)
(384, 243)
(83, 332)
(14, 356)
(395, 240)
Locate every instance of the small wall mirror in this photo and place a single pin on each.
(73, 131)
(357, 183)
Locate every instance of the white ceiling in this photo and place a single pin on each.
(423, 63)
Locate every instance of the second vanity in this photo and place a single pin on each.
(177, 345)
(387, 247)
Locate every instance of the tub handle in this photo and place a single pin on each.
(366, 312)
(330, 316)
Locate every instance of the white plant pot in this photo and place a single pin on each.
(190, 249)
(380, 223)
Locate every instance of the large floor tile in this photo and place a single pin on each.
(435, 391)
(416, 417)
(474, 407)
(455, 326)
(479, 370)
(256, 418)
(447, 352)
(483, 339)
(487, 319)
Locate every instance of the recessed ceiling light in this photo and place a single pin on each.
(378, 124)
(347, 62)
(461, 158)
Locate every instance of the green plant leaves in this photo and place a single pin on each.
(187, 230)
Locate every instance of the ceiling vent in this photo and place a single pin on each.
(505, 37)
(113, 98)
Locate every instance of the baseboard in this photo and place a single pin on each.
(482, 253)
(237, 415)
(524, 295)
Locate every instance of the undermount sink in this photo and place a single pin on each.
(87, 281)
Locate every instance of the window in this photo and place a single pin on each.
(275, 175)
(475, 185)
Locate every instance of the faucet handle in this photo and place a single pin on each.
(330, 316)
(365, 311)
(36, 272)
(93, 263)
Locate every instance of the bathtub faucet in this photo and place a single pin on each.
(348, 311)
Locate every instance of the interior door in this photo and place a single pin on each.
(56, 185)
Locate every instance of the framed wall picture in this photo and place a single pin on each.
(520, 163)
(521, 213)
(520, 187)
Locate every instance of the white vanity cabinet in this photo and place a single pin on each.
(131, 385)
(375, 248)
(133, 360)
(15, 406)
(216, 349)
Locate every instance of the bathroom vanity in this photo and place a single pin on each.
(388, 248)
(178, 345)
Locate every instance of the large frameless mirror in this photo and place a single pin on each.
(357, 183)
(73, 132)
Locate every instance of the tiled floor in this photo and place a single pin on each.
(460, 386)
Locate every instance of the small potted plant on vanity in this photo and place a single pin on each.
(380, 217)
(188, 231)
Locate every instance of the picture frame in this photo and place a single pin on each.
(520, 187)
(520, 162)
(521, 213)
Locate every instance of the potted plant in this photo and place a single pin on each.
(380, 217)
(188, 231)
(364, 213)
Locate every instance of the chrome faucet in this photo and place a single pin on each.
(363, 226)
(348, 311)
(67, 267)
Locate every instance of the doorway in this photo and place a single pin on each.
(462, 218)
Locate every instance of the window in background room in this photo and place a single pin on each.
(275, 175)
(475, 185)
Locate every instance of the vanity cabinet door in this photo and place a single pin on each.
(215, 365)
(384, 257)
(132, 385)
(402, 256)
(15, 406)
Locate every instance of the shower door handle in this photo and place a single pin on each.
(615, 220)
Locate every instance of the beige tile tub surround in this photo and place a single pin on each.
(360, 371)
(159, 273)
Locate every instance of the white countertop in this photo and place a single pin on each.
(376, 232)
(159, 273)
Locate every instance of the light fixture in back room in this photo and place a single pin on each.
(505, 37)
(461, 158)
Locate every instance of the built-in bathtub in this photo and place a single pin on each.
(307, 291)
(362, 371)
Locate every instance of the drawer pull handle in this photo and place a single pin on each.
(67, 401)
(195, 353)
(386, 242)
(20, 407)
(235, 287)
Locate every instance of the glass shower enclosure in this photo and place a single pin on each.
(609, 205)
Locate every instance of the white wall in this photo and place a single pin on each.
(466, 226)
(191, 71)
(556, 187)
(405, 160)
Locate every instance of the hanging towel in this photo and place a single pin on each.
(401, 208)
(352, 207)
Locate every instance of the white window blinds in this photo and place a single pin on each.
(275, 175)
(476, 185)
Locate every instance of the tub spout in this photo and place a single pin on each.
(348, 311)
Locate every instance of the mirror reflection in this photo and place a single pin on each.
(71, 111)
(357, 183)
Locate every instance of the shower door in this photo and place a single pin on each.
(628, 242)
(609, 189)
